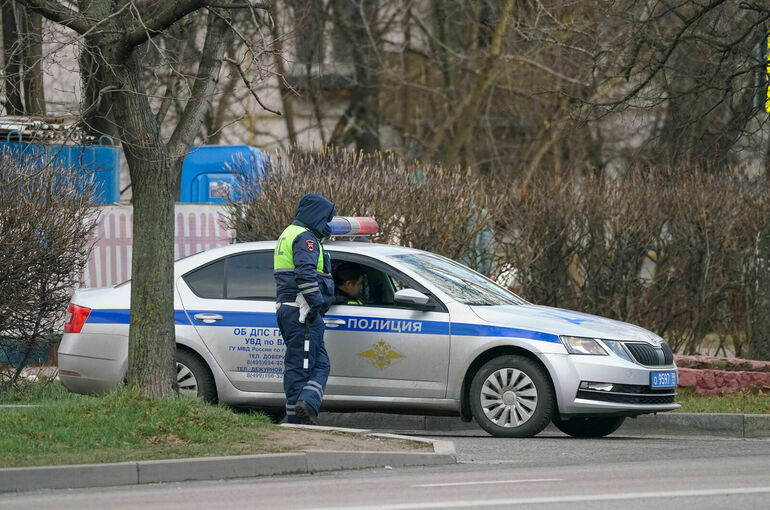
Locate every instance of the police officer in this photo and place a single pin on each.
(348, 284)
(304, 290)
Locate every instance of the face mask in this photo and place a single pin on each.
(327, 230)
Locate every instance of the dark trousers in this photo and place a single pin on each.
(306, 363)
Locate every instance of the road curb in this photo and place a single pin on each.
(755, 426)
(220, 468)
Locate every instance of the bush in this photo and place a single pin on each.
(46, 221)
(423, 206)
(672, 251)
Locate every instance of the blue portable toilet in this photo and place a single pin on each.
(210, 172)
(100, 162)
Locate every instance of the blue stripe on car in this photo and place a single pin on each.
(374, 324)
(122, 316)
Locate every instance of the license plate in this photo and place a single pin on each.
(663, 379)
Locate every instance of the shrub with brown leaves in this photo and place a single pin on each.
(423, 206)
(46, 221)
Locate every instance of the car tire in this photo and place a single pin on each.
(599, 426)
(193, 376)
(512, 396)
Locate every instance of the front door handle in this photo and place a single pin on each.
(208, 318)
(333, 323)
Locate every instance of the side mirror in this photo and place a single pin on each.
(413, 299)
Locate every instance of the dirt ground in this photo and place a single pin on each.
(291, 439)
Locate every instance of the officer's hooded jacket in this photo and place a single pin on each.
(300, 264)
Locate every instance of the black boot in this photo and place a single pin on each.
(305, 413)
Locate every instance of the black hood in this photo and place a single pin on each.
(315, 212)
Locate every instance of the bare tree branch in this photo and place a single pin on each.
(205, 83)
(167, 15)
(239, 5)
(247, 82)
(58, 13)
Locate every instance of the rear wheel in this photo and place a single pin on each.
(193, 377)
(512, 396)
(589, 427)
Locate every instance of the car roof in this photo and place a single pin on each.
(364, 248)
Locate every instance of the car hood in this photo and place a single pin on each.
(563, 322)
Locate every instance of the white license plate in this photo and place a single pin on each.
(665, 379)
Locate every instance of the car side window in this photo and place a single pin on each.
(250, 276)
(241, 276)
(378, 288)
(208, 281)
(381, 281)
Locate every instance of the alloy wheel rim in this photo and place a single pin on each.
(508, 397)
(186, 381)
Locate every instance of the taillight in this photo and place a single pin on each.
(77, 317)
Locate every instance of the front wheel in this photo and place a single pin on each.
(512, 396)
(589, 427)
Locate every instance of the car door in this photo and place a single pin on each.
(381, 349)
(231, 302)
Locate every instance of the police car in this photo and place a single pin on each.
(431, 337)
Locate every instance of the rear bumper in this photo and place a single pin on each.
(94, 375)
(92, 363)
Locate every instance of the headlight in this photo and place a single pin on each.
(618, 349)
(579, 345)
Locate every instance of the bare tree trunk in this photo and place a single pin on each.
(759, 320)
(155, 169)
(151, 333)
(361, 121)
(759, 347)
(95, 107)
(34, 93)
(464, 115)
(283, 89)
(468, 115)
(12, 49)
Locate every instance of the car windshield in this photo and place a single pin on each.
(459, 282)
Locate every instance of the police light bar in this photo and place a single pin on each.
(352, 225)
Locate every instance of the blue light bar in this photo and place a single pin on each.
(353, 225)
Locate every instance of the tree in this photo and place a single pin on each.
(700, 62)
(114, 38)
(23, 50)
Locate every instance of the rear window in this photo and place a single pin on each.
(208, 281)
(242, 276)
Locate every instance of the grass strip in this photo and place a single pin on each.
(122, 426)
(748, 401)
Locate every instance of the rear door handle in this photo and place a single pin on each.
(208, 318)
(333, 323)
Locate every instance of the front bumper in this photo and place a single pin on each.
(630, 395)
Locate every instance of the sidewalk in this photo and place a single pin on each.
(755, 426)
(220, 468)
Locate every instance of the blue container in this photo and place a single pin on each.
(209, 172)
(100, 162)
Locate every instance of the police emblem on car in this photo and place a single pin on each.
(381, 354)
(444, 339)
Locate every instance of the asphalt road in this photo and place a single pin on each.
(547, 472)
